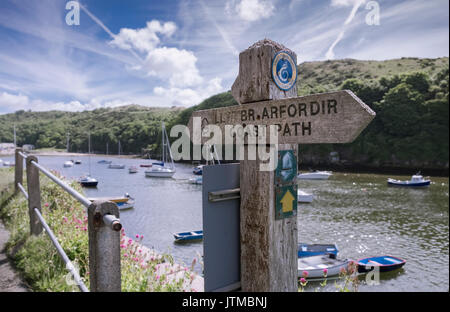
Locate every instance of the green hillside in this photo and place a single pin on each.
(135, 126)
(315, 77)
(409, 95)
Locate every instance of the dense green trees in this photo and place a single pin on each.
(411, 127)
(410, 130)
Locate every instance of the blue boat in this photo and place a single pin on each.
(188, 236)
(384, 263)
(308, 250)
(104, 162)
(198, 170)
(416, 181)
(158, 164)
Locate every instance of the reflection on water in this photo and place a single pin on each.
(359, 212)
(365, 218)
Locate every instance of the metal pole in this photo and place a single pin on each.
(34, 195)
(18, 177)
(61, 252)
(83, 200)
(104, 247)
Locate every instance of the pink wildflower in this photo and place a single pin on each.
(303, 280)
(305, 274)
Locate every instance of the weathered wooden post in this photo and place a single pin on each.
(266, 90)
(18, 174)
(268, 245)
(104, 247)
(34, 195)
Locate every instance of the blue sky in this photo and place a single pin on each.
(165, 53)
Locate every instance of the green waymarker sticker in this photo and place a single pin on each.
(286, 171)
(285, 201)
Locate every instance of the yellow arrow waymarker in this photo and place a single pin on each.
(286, 201)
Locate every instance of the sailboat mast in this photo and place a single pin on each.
(89, 152)
(68, 134)
(107, 148)
(168, 147)
(15, 136)
(163, 144)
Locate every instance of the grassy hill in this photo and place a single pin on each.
(329, 75)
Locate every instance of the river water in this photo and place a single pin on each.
(358, 212)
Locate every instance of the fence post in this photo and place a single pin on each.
(34, 195)
(104, 248)
(18, 177)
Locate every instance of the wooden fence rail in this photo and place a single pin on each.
(103, 226)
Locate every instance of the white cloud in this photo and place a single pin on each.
(143, 39)
(189, 96)
(251, 10)
(177, 66)
(13, 102)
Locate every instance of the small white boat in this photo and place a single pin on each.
(303, 197)
(160, 170)
(88, 181)
(133, 169)
(196, 180)
(315, 175)
(315, 266)
(68, 164)
(116, 166)
(416, 181)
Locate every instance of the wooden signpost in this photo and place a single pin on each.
(266, 89)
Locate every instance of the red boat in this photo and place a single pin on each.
(146, 165)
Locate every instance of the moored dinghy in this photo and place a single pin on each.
(303, 197)
(384, 263)
(316, 265)
(88, 181)
(308, 250)
(416, 181)
(315, 175)
(188, 236)
(123, 203)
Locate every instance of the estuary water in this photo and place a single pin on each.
(358, 212)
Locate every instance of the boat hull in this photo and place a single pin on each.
(116, 166)
(89, 184)
(308, 250)
(315, 265)
(383, 263)
(160, 173)
(188, 236)
(408, 184)
(303, 197)
(314, 176)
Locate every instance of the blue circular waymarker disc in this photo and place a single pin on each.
(284, 71)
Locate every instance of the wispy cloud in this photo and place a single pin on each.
(356, 4)
(165, 53)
